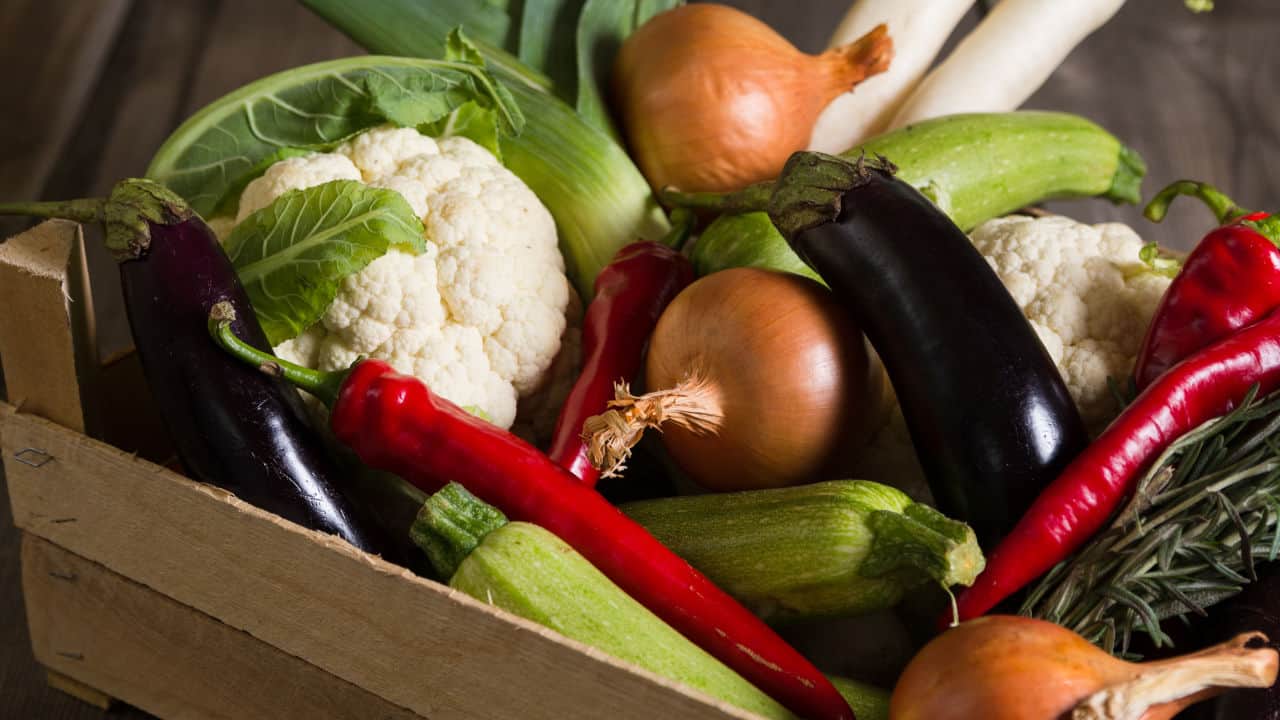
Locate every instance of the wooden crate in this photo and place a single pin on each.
(180, 599)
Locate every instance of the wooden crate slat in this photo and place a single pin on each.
(46, 345)
(105, 631)
(415, 643)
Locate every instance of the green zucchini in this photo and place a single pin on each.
(839, 548)
(530, 572)
(974, 167)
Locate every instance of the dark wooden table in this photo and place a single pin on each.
(90, 88)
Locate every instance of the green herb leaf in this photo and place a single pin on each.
(293, 254)
(1200, 518)
(314, 108)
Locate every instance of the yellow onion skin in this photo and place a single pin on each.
(798, 390)
(712, 99)
(1003, 667)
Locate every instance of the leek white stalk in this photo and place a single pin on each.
(918, 28)
(1006, 58)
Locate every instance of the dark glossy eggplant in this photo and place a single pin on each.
(989, 415)
(231, 425)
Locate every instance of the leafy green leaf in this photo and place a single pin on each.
(457, 48)
(314, 108)
(469, 121)
(293, 254)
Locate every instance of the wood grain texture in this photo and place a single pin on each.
(415, 643)
(47, 347)
(106, 631)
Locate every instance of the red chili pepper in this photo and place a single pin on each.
(394, 423)
(1083, 498)
(631, 293)
(1229, 280)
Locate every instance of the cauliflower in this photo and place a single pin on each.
(480, 314)
(1089, 298)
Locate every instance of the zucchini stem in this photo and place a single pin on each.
(923, 540)
(451, 524)
(323, 385)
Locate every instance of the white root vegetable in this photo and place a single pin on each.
(919, 28)
(1006, 58)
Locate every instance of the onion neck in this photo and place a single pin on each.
(1162, 689)
(694, 404)
(848, 65)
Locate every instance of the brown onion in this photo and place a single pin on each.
(1003, 667)
(712, 99)
(759, 378)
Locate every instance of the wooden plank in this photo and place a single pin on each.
(104, 631)
(415, 643)
(78, 690)
(46, 349)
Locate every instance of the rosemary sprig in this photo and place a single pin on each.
(1207, 509)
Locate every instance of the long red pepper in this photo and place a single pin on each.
(1229, 280)
(394, 423)
(631, 293)
(1083, 498)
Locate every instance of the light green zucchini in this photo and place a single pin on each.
(974, 167)
(838, 548)
(530, 572)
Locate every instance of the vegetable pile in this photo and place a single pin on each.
(433, 301)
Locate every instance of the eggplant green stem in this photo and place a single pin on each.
(749, 199)
(1223, 207)
(86, 210)
(324, 385)
(451, 524)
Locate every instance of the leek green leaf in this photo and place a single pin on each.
(293, 254)
(547, 37)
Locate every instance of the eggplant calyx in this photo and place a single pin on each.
(134, 206)
(810, 192)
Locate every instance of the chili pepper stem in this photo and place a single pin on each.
(1223, 207)
(682, 222)
(323, 385)
(694, 404)
(1177, 682)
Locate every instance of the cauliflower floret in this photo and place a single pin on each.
(480, 314)
(1088, 296)
(293, 173)
(1085, 291)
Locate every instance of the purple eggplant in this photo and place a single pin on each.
(231, 425)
